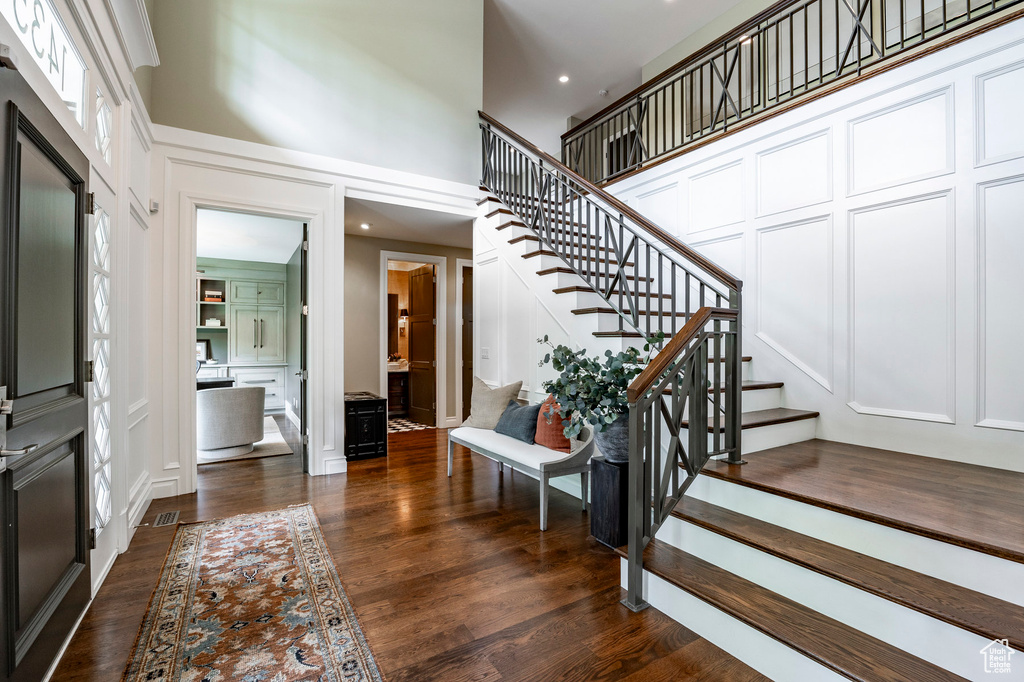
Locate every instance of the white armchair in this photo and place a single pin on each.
(228, 421)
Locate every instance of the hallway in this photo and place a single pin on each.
(450, 577)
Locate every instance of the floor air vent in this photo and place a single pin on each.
(166, 519)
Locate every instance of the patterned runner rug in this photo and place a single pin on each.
(251, 597)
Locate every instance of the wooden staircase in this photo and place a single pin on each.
(813, 560)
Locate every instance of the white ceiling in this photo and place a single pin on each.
(243, 236)
(391, 221)
(598, 44)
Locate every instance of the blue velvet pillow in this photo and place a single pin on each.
(519, 421)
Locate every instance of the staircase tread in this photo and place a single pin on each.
(746, 386)
(535, 238)
(847, 651)
(510, 223)
(499, 211)
(558, 269)
(547, 252)
(976, 612)
(967, 505)
(758, 418)
(595, 309)
(578, 289)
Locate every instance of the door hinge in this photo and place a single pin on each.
(305, 310)
(435, 320)
(305, 245)
(434, 280)
(90, 371)
(90, 203)
(433, 363)
(305, 375)
(92, 538)
(305, 439)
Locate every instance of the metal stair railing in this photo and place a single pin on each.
(655, 283)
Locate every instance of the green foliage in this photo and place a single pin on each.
(590, 390)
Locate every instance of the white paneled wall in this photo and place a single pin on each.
(879, 232)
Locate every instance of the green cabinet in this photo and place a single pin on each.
(256, 334)
(261, 293)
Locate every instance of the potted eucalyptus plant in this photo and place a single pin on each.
(592, 391)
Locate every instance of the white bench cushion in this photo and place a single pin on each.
(530, 455)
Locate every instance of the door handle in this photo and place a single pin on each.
(261, 332)
(255, 333)
(18, 453)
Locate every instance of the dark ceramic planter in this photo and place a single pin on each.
(613, 442)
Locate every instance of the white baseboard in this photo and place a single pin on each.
(164, 487)
(141, 497)
(337, 465)
(292, 417)
(452, 423)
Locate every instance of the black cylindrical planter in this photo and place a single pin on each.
(609, 496)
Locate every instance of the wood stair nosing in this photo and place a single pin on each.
(590, 259)
(610, 311)
(561, 225)
(841, 648)
(577, 289)
(745, 386)
(561, 242)
(509, 223)
(499, 211)
(976, 612)
(569, 271)
(487, 199)
(759, 418)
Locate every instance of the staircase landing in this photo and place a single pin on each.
(975, 507)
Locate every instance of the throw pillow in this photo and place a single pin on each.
(551, 436)
(518, 421)
(487, 404)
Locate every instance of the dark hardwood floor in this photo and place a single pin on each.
(451, 578)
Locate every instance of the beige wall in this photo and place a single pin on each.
(746, 9)
(390, 83)
(362, 310)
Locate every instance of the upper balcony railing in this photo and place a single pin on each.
(794, 48)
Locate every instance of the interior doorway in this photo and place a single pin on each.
(412, 318)
(251, 293)
(464, 304)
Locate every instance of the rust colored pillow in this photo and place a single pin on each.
(551, 435)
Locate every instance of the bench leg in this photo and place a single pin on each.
(583, 483)
(451, 448)
(543, 501)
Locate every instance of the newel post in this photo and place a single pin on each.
(635, 519)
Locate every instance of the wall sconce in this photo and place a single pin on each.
(403, 314)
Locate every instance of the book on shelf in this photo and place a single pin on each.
(213, 299)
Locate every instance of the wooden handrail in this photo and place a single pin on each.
(657, 366)
(703, 263)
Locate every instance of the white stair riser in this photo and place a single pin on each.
(974, 570)
(753, 401)
(766, 437)
(933, 640)
(762, 653)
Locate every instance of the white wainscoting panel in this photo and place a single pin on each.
(661, 206)
(517, 335)
(138, 311)
(902, 309)
(903, 143)
(716, 198)
(795, 174)
(727, 252)
(1000, 135)
(794, 307)
(487, 316)
(1001, 292)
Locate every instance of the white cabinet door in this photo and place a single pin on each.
(271, 335)
(243, 334)
(270, 378)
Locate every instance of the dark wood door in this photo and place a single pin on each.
(467, 340)
(44, 477)
(422, 341)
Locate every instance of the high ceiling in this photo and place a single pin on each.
(598, 44)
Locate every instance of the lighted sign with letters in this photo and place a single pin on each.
(41, 31)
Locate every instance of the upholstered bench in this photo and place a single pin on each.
(535, 460)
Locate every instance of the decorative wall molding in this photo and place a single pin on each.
(705, 197)
(1007, 124)
(915, 122)
(824, 172)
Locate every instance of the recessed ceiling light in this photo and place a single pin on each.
(365, 226)
(563, 79)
